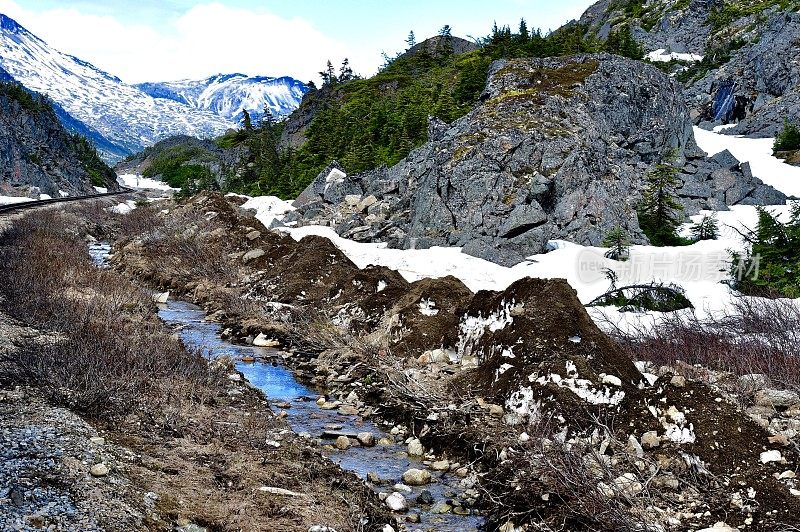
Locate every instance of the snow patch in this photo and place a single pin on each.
(7, 200)
(583, 388)
(334, 176)
(143, 183)
(472, 328)
(268, 208)
(661, 55)
(123, 208)
(428, 308)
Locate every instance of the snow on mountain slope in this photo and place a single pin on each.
(228, 94)
(121, 113)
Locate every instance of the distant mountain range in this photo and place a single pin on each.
(120, 119)
(227, 95)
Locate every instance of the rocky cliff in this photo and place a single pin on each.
(557, 149)
(749, 70)
(759, 86)
(38, 154)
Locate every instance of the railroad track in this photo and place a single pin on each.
(13, 207)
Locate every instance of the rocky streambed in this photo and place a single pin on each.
(435, 493)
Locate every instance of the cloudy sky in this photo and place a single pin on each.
(164, 40)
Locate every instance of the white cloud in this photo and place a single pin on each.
(207, 39)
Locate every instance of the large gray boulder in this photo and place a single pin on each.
(557, 149)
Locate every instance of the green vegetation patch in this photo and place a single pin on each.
(171, 165)
(771, 267)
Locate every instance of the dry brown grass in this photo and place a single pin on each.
(757, 336)
(111, 355)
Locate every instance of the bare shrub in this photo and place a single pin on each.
(756, 336)
(184, 243)
(110, 355)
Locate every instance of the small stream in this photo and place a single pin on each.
(305, 416)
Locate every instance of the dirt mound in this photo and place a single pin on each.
(425, 316)
(543, 358)
(535, 322)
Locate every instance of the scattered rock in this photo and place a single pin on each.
(99, 470)
(441, 508)
(415, 448)
(253, 235)
(279, 491)
(678, 381)
(425, 497)
(650, 439)
(416, 477)
(253, 254)
(342, 443)
(720, 527)
(367, 439)
(263, 341)
(161, 298)
(441, 465)
(776, 398)
(396, 502)
(753, 382)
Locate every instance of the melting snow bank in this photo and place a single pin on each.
(757, 152)
(268, 208)
(143, 183)
(8, 200)
(702, 269)
(661, 55)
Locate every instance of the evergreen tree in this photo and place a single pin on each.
(660, 213)
(618, 243)
(345, 72)
(523, 36)
(772, 265)
(706, 229)
(789, 138)
(328, 75)
(446, 31)
(621, 42)
(411, 40)
(268, 120)
(247, 122)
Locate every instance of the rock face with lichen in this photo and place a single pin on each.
(557, 149)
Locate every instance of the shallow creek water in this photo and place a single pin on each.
(276, 381)
(269, 375)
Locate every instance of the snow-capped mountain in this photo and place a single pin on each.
(123, 114)
(228, 94)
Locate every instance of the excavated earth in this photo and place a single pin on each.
(561, 429)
